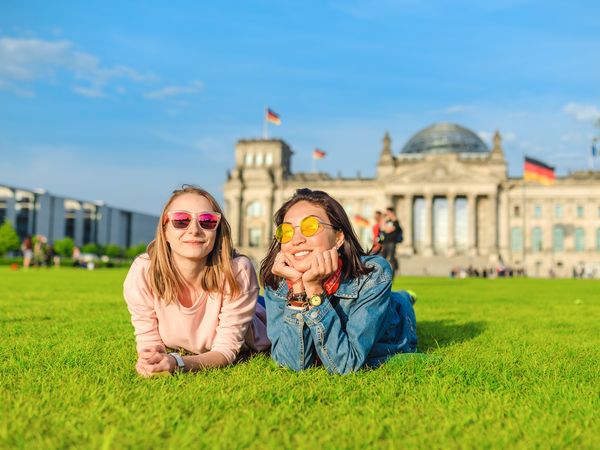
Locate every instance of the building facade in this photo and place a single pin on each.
(452, 193)
(37, 212)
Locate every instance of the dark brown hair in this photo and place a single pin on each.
(350, 252)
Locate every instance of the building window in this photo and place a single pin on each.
(254, 237)
(2, 211)
(516, 239)
(598, 239)
(558, 211)
(536, 239)
(349, 207)
(558, 238)
(580, 211)
(259, 159)
(579, 240)
(598, 211)
(516, 211)
(537, 211)
(249, 159)
(269, 159)
(254, 209)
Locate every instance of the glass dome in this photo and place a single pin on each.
(445, 138)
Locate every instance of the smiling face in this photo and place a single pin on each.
(193, 244)
(301, 247)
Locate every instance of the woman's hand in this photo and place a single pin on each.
(282, 267)
(154, 361)
(322, 265)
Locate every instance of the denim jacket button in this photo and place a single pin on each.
(314, 314)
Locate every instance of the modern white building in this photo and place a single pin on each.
(38, 212)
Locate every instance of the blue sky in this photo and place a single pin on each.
(125, 101)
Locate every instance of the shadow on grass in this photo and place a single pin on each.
(436, 334)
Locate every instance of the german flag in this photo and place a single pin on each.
(361, 221)
(318, 154)
(535, 170)
(273, 117)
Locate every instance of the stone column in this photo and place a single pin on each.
(451, 198)
(235, 219)
(472, 213)
(427, 225)
(406, 221)
(493, 224)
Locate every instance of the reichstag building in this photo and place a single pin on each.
(454, 198)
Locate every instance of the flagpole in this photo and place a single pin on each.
(265, 126)
(314, 164)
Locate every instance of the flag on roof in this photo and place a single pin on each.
(318, 154)
(273, 117)
(360, 220)
(536, 170)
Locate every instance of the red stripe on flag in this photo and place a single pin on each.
(318, 154)
(273, 117)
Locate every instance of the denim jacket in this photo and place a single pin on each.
(362, 324)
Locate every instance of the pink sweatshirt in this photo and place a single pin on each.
(209, 324)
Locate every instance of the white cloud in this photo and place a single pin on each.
(92, 92)
(172, 91)
(455, 109)
(582, 112)
(24, 60)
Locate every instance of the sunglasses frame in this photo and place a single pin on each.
(193, 217)
(319, 229)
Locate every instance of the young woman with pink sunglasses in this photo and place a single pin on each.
(193, 301)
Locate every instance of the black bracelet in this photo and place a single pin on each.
(297, 300)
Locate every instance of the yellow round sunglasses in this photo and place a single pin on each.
(309, 226)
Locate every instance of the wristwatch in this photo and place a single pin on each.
(316, 299)
(179, 361)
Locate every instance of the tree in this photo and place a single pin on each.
(91, 248)
(113, 251)
(135, 250)
(64, 247)
(9, 239)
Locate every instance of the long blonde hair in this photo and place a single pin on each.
(165, 279)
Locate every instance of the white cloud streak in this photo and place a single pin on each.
(24, 60)
(173, 91)
(582, 112)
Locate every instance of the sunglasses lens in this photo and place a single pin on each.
(208, 221)
(180, 220)
(284, 233)
(309, 226)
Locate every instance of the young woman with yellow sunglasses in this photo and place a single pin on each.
(327, 301)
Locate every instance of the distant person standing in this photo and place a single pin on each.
(27, 249)
(391, 234)
(376, 248)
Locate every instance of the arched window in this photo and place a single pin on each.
(558, 238)
(249, 159)
(579, 239)
(536, 239)
(269, 159)
(254, 209)
(259, 159)
(516, 239)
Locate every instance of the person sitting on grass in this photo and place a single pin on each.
(327, 301)
(192, 299)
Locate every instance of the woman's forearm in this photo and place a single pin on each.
(206, 360)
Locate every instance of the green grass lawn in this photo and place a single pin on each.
(505, 363)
